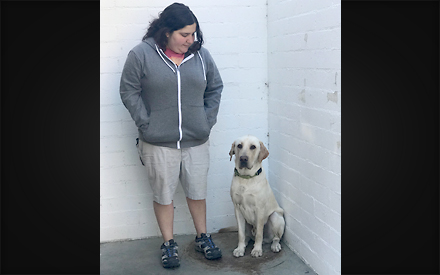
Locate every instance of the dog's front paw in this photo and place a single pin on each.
(238, 252)
(257, 252)
(275, 247)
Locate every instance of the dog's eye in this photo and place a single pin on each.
(253, 147)
(239, 146)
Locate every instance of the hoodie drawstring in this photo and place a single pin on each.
(203, 65)
(177, 71)
(201, 59)
(157, 49)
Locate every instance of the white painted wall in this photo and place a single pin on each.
(235, 33)
(292, 45)
(304, 44)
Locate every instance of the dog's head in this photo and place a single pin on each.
(249, 151)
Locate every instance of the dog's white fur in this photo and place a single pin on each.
(258, 214)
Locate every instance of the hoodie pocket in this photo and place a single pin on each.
(194, 123)
(163, 127)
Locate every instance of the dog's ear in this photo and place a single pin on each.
(264, 153)
(232, 152)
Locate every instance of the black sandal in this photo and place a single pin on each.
(206, 245)
(170, 256)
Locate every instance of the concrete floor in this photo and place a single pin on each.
(144, 257)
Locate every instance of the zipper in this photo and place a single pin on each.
(179, 92)
(179, 104)
(179, 98)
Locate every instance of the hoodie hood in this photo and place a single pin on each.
(152, 43)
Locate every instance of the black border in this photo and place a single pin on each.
(50, 137)
(50, 122)
(390, 122)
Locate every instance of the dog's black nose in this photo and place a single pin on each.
(243, 158)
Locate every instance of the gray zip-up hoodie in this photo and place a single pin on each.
(172, 106)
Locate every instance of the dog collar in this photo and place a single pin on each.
(247, 177)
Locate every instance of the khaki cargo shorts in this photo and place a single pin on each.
(166, 167)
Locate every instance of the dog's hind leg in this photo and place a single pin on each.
(276, 225)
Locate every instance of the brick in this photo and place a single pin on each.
(328, 216)
(114, 159)
(335, 163)
(253, 60)
(329, 235)
(108, 205)
(111, 64)
(110, 97)
(117, 48)
(321, 137)
(133, 31)
(321, 176)
(140, 231)
(113, 233)
(319, 192)
(184, 227)
(220, 195)
(226, 61)
(324, 39)
(218, 45)
(113, 190)
(128, 128)
(107, 4)
(113, 113)
(140, 187)
(110, 128)
(118, 144)
(110, 83)
(309, 256)
(329, 18)
(141, 4)
(219, 222)
(328, 255)
(335, 201)
(116, 174)
(106, 32)
(221, 209)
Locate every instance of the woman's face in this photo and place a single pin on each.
(180, 40)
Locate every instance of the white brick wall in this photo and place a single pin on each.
(304, 59)
(292, 46)
(235, 33)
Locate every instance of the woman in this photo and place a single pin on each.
(172, 88)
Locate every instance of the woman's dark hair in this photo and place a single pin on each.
(174, 17)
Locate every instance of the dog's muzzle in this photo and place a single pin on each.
(244, 162)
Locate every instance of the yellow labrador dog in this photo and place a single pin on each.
(258, 214)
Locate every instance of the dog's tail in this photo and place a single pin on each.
(228, 229)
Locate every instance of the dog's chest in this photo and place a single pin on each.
(245, 200)
(241, 195)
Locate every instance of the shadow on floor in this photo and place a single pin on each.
(144, 257)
